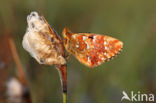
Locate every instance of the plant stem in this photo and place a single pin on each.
(62, 69)
(64, 97)
(17, 61)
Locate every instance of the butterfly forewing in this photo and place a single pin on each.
(91, 49)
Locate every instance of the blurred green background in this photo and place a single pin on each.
(131, 21)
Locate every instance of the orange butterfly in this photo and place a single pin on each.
(91, 49)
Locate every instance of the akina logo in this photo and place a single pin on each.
(137, 96)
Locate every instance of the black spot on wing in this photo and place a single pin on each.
(91, 36)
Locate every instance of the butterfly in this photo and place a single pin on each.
(91, 49)
(42, 42)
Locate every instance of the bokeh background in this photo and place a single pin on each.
(131, 21)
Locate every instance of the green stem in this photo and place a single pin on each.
(64, 97)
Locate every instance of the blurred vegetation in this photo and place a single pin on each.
(131, 21)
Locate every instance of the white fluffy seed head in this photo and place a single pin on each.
(14, 88)
(39, 41)
(29, 44)
(35, 22)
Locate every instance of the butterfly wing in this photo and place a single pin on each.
(91, 49)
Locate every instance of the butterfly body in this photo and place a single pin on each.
(91, 49)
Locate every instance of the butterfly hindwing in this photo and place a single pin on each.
(91, 49)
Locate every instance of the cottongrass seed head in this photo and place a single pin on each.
(42, 42)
